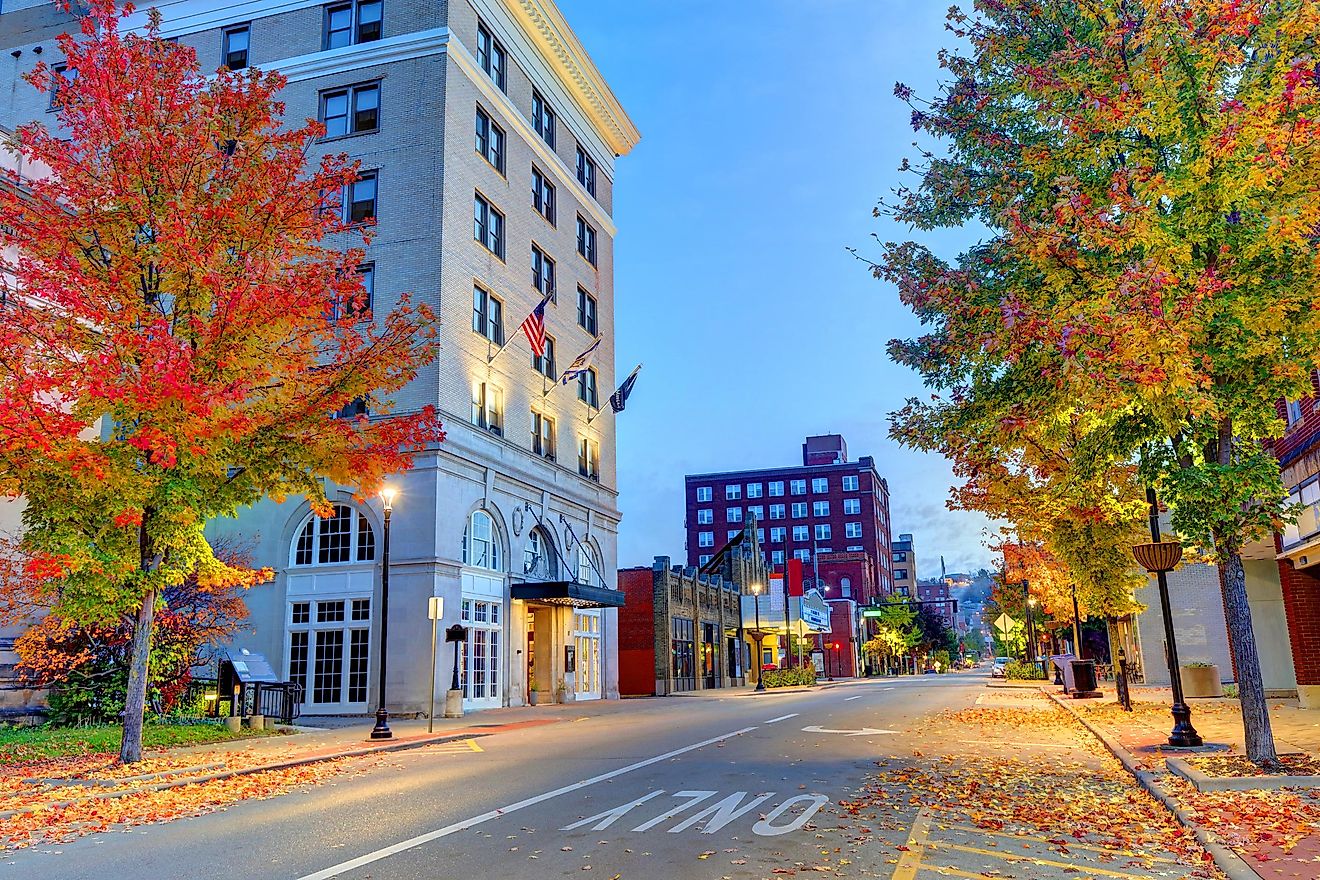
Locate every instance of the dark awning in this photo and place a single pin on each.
(567, 593)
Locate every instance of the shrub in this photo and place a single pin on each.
(802, 675)
(1024, 671)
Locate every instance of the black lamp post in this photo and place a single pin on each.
(1031, 629)
(1160, 557)
(760, 673)
(382, 728)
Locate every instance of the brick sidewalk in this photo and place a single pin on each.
(1276, 834)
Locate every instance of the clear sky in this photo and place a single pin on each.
(769, 132)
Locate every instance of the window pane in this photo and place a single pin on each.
(369, 14)
(357, 665)
(327, 684)
(339, 26)
(366, 108)
(336, 114)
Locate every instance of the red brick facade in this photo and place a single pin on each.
(637, 632)
(1301, 604)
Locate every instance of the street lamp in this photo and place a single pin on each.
(1160, 557)
(382, 728)
(1031, 624)
(760, 673)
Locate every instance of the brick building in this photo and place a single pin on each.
(681, 630)
(487, 139)
(824, 506)
(905, 565)
(937, 591)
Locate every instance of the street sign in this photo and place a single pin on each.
(1004, 625)
(435, 607)
(873, 612)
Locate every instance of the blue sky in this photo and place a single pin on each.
(769, 132)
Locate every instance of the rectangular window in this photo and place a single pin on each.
(543, 435)
(900, 574)
(298, 659)
(545, 364)
(543, 118)
(703, 559)
(757, 511)
(1294, 412)
(753, 490)
(487, 315)
(589, 458)
(731, 534)
(234, 51)
(733, 514)
(349, 23)
(777, 557)
(586, 311)
(358, 640)
(733, 492)
(777, 534)
(586, 171)
(543, 272)
(69, 75)
(850, 483)
(852, 530)
(359, 306)
(328, 672)
(586, 240)
(822, 532)
(703, 493)
(488, 226)
(300, 612)
(360, 199)
(776, 511)
(798, 487)
(820, 508)
(361, 607)
(776, 489)
(492, 57)
(705, 516)
(852, 506)
(488, 407)
(819, 485)
(543, 195)
(705, 539)
(802, 555)
(354, 110)
(799, 509)
(587, 388)
(800, 533)
(490, 140)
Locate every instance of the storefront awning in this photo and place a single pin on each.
(567, 593)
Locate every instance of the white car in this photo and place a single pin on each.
(999, 669)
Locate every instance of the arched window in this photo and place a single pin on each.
(587, 563)
(845, 587)
(344, 536)
(539, 556)
(481, 543)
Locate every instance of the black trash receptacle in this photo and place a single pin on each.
(1084, 681)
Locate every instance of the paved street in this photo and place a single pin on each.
(725, 786)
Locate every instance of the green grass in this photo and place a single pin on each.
(32, 743)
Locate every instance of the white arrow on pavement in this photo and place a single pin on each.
(865, 731)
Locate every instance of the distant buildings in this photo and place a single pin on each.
(937, 591)
(824, 506)
(905, 565)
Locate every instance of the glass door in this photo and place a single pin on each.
(586, 637)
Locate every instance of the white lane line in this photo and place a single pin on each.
(850, 699)
(782, 718)
(410, 843)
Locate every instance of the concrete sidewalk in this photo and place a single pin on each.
(1261, 833)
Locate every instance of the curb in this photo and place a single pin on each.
(1204, 782)
(1225, 858)
(245, 771)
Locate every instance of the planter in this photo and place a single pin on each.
(533, 698)
(257, 722)
(1201, 681)
(233, 723)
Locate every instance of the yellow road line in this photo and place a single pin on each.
(1069, 844)
(910, 862)
(1013, 857)
(472, 744)
(954, 872)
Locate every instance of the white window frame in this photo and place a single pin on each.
(798, 510)
(705, 516)
(753, 490)
(733, 492)
(797, 487)
(704, 493)
(820, 508)
(852, 506)
(705, 539)
(850, 483)
(852, 530)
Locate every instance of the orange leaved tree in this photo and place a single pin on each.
(189, 322)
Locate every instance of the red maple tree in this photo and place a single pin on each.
(190, 321)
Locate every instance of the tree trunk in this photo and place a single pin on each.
(1242, 642)
(135, 705)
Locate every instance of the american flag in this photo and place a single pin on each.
(534, 327)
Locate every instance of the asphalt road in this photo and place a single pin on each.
(690, 787)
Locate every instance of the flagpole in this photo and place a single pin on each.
(490, 358)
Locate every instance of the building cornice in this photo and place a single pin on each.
(417, 44)
(545, 26)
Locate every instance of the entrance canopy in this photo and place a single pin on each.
(571, 593)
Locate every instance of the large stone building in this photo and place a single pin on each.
(487, 139)
(905, 565)
(826, 505)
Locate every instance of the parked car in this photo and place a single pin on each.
(1000, 667)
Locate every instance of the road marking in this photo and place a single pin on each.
(782, 718)
(412, 842)
(953, 872)
(972, 829)
(1036, 860)
(865, 731)
(721, 813)
(849, 699)
(916, 846)
(606, 819)
(767, 827)
(1016, 745)
(472, 744)
(693, 798)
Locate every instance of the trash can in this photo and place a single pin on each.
(1084, 681)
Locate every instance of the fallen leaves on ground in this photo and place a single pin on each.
(1238, 766)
